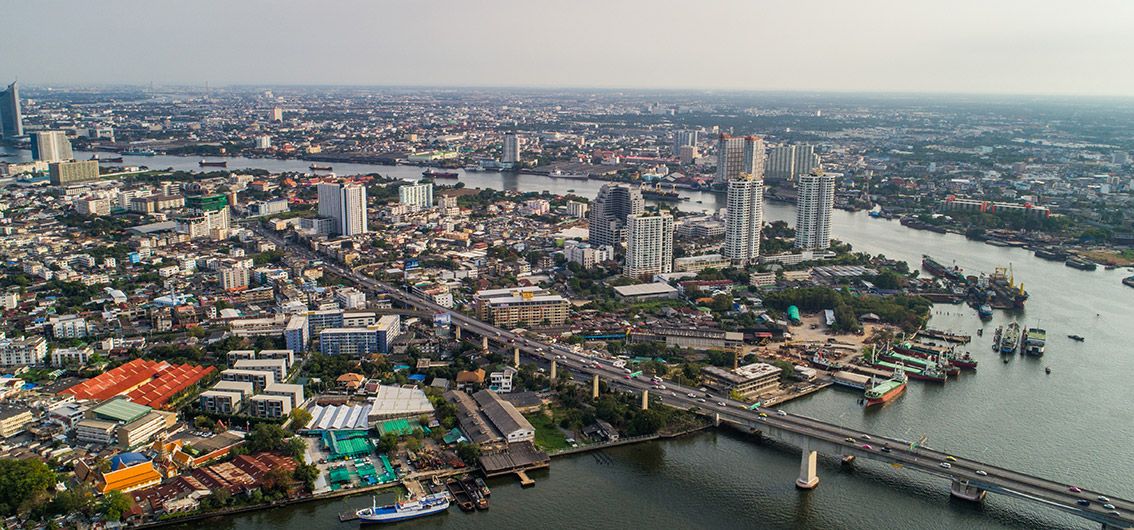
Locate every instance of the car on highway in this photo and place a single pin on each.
(849, 440)
(721, 404)
(1075, 489)
(867, 447)
(982, 472)
(782, 413)
(1103, 499)
(885, 449)
(763, 414)
(945, 465)
(1108, 506)
(866, 437)
(950, 458)
(1083, 502)
(702, 400)
(1114, 512)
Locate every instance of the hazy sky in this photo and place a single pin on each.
(984, 46)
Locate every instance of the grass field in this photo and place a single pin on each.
(547, 435)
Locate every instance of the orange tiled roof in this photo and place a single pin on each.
(130, 478)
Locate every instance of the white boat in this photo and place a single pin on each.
(402, 510)
(560, 174)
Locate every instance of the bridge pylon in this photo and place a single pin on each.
(808, 474)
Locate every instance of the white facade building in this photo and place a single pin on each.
(649, 245)
(744, 220)
(813, 212)
(417, 195)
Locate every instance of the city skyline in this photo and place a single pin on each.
(956, 48)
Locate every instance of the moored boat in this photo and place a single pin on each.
(886, 390)
(317, 167)
(1083, 265)
(213, 163)
(1010, 340)
(433, 173)
(1128, 281)
(402, 510)
(1034, 341)
(984, 312)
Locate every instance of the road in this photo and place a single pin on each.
(888, 449)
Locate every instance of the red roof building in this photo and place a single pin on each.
(149, 383)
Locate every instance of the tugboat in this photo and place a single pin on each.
(886, 390)
(1010, 340)
(400, 511)
(317, 167)
(984, 312)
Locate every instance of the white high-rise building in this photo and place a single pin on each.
(649, 245)
(683, 139)
(813, 212)
(739, 155)
(744, 220)
(607, 220)
(235, 278)
(806, 160)
(419, 195)
(263, 141)
(51, 146)
(511, 153)
(346, 204)
(781, 163)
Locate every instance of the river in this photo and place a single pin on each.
(1073, 425)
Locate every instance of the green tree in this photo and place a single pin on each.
(299, 419)
(469, 453)
(22, 481)
(115, 505)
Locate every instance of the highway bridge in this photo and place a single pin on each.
(969, 479)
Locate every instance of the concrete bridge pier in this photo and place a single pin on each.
(594, 388)
(484, 344)
(515, 356)
(961, 489)
(808, 474)
(458, 332)
(717, 419)
(553, 369)
(645, 400)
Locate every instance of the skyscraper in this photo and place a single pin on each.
(781, 163)
(744, 220)
(607, 220)
(805, 160)
(419, 195)
(11, 117)
(345, 203)
(51, 146)
(739, 155)
(649, 245)
(683, 139)
(813, 211)
(511, 153)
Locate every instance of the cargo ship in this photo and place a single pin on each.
(107, 159)
(433, 173)
(945, 336)
(402, 510)
(821, 360)
(1010, 339)
(1051, 254)
(560, 174)
(1003, 283)
(929, 351)
(1034, 341)
(662, 195)
(460, 495)
(1083, 265)
(924, 363)
(317, 167)
(932, 373)
(936, 268)
(215, 163)
(139, 152)
(886, 390)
